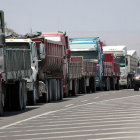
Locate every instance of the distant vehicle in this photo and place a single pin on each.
(137, 79)
(128, 62)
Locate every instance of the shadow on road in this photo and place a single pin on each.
(13, 113)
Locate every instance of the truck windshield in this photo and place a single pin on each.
(138, 70)
(86, 54)
(17, 45)
(120, 60)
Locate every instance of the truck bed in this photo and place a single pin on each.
(110, 68)
(52, 64)
(79, 68)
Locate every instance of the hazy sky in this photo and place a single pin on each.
(71, 15)
(117, 22)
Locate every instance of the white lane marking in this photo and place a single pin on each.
(69, 105)
(46, 113)
(81, 123)
(84, 101)
(59, 137)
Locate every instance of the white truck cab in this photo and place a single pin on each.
(120, 53)
(31, 81)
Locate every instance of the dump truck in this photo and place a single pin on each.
(82, 51)
(128, 62)
(15, 67)
(62, 38)
(50, 68)
(91, 50)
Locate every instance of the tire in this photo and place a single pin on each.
(107, 88)
(58, 89)
(61, 90)
(8, 106)
(93, 85)
(24, 95)
(45, 97)
(117, 85)
(32, 96)
(54, 90)
(19, 97)
(83, 85)
(1, 103)
(75, 87)
(136, 88)
(112, 83)
(50, 90)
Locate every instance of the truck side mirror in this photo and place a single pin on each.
(2, 39)
(42, 51)
(103, 57)
(68, 53)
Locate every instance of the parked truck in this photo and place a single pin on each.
(127, 63)
(62, 38)
(50, 68)
(15, 67)
(91, 50)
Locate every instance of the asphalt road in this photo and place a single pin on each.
(113, 115)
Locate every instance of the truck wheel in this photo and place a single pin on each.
(112, 83)
(32, 96)
(118, 84)
(18, 103)
(1, 103)
(50, 90)
(136, 88)
(24, 95)
(75, 87)
(54, 89)
(83, 85)
(107, 88)
(58, 89)
(45, 97)
(61, 90)
(93, 85)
